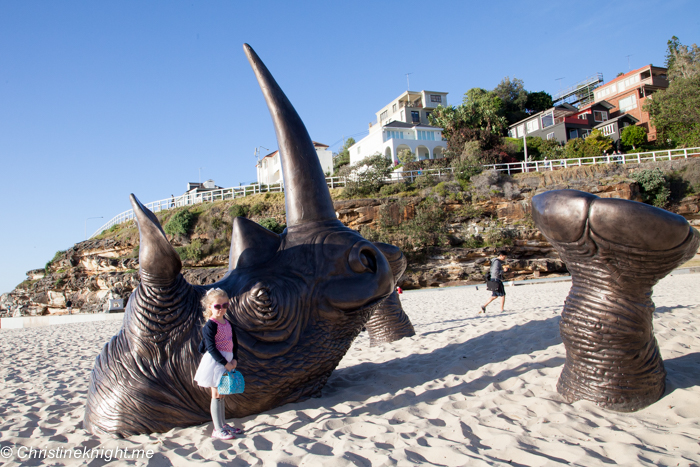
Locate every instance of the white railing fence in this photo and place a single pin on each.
(634, 158)
(405, 176)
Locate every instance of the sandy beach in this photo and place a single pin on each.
(468, 389)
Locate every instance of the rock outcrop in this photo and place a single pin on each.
(95, 271)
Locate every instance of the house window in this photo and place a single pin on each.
(415, 116)
(426, 135)
(626, 83)
(427, 116)
(393, 108)
(628, 103)
(532, 126)
(394, 134)
(384, 115)
(606, 92)
(608, 130)
(585, 133)
(583, 116)
(550, 135)
(521, 131)
(600, 116)
(512, 133)
(435, 98)
(547, 120)
(573, 133)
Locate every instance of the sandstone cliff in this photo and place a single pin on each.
(493, 213)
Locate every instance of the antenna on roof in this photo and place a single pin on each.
(408, 86)
(628, 61)
(559, 79)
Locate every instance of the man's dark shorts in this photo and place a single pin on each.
(500, 292)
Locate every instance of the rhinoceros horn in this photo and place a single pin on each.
(306, 192)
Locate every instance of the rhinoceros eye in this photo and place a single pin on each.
(261, 301)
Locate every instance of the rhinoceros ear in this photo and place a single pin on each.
(396, 258)
(251, 244)
(158, 262)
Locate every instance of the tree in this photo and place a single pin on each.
(675, 112)
(596, 143)
(685, 63)
(574, 148)
(366, 176)
(514, 98)
(672, 48)
(479, 119)
(634, 136)
(538, 101)
(405, 156)
(343, 157)
(592, 146)
(484, 110)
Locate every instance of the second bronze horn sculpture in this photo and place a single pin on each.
(616, 251)
(297, 300)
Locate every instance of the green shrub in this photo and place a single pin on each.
(366, 177)
(55, 258)
(633, 136)
(217, 222)
(425, 181)
(393, 188)
(180, 223)
(192, 251)
(474, 241)
(257, 209)
(238, 210)
(272, 225)
(464, 170)
(441, 189)
(499, 236)
(654, 187)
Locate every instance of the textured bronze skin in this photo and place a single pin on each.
(389, 322)
(298, 300)
(616, 251)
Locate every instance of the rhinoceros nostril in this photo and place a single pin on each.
(368, 260)
(363, 258)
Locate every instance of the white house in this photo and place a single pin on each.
(270, 170)
(404, 124)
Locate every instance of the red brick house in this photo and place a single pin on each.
(627, 94)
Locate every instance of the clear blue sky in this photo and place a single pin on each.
(99, 99)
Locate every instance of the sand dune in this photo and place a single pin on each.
(468, 389)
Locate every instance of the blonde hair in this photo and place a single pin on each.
(210, 297)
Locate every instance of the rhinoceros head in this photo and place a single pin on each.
(298, 300)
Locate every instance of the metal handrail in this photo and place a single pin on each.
(395, 177)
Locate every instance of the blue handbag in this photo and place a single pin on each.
(231, 382)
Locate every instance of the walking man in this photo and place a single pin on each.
(497, 268)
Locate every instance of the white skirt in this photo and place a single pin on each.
(210, 371)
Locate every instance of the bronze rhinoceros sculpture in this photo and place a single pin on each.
(298, 300)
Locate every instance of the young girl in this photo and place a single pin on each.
(220, 349)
